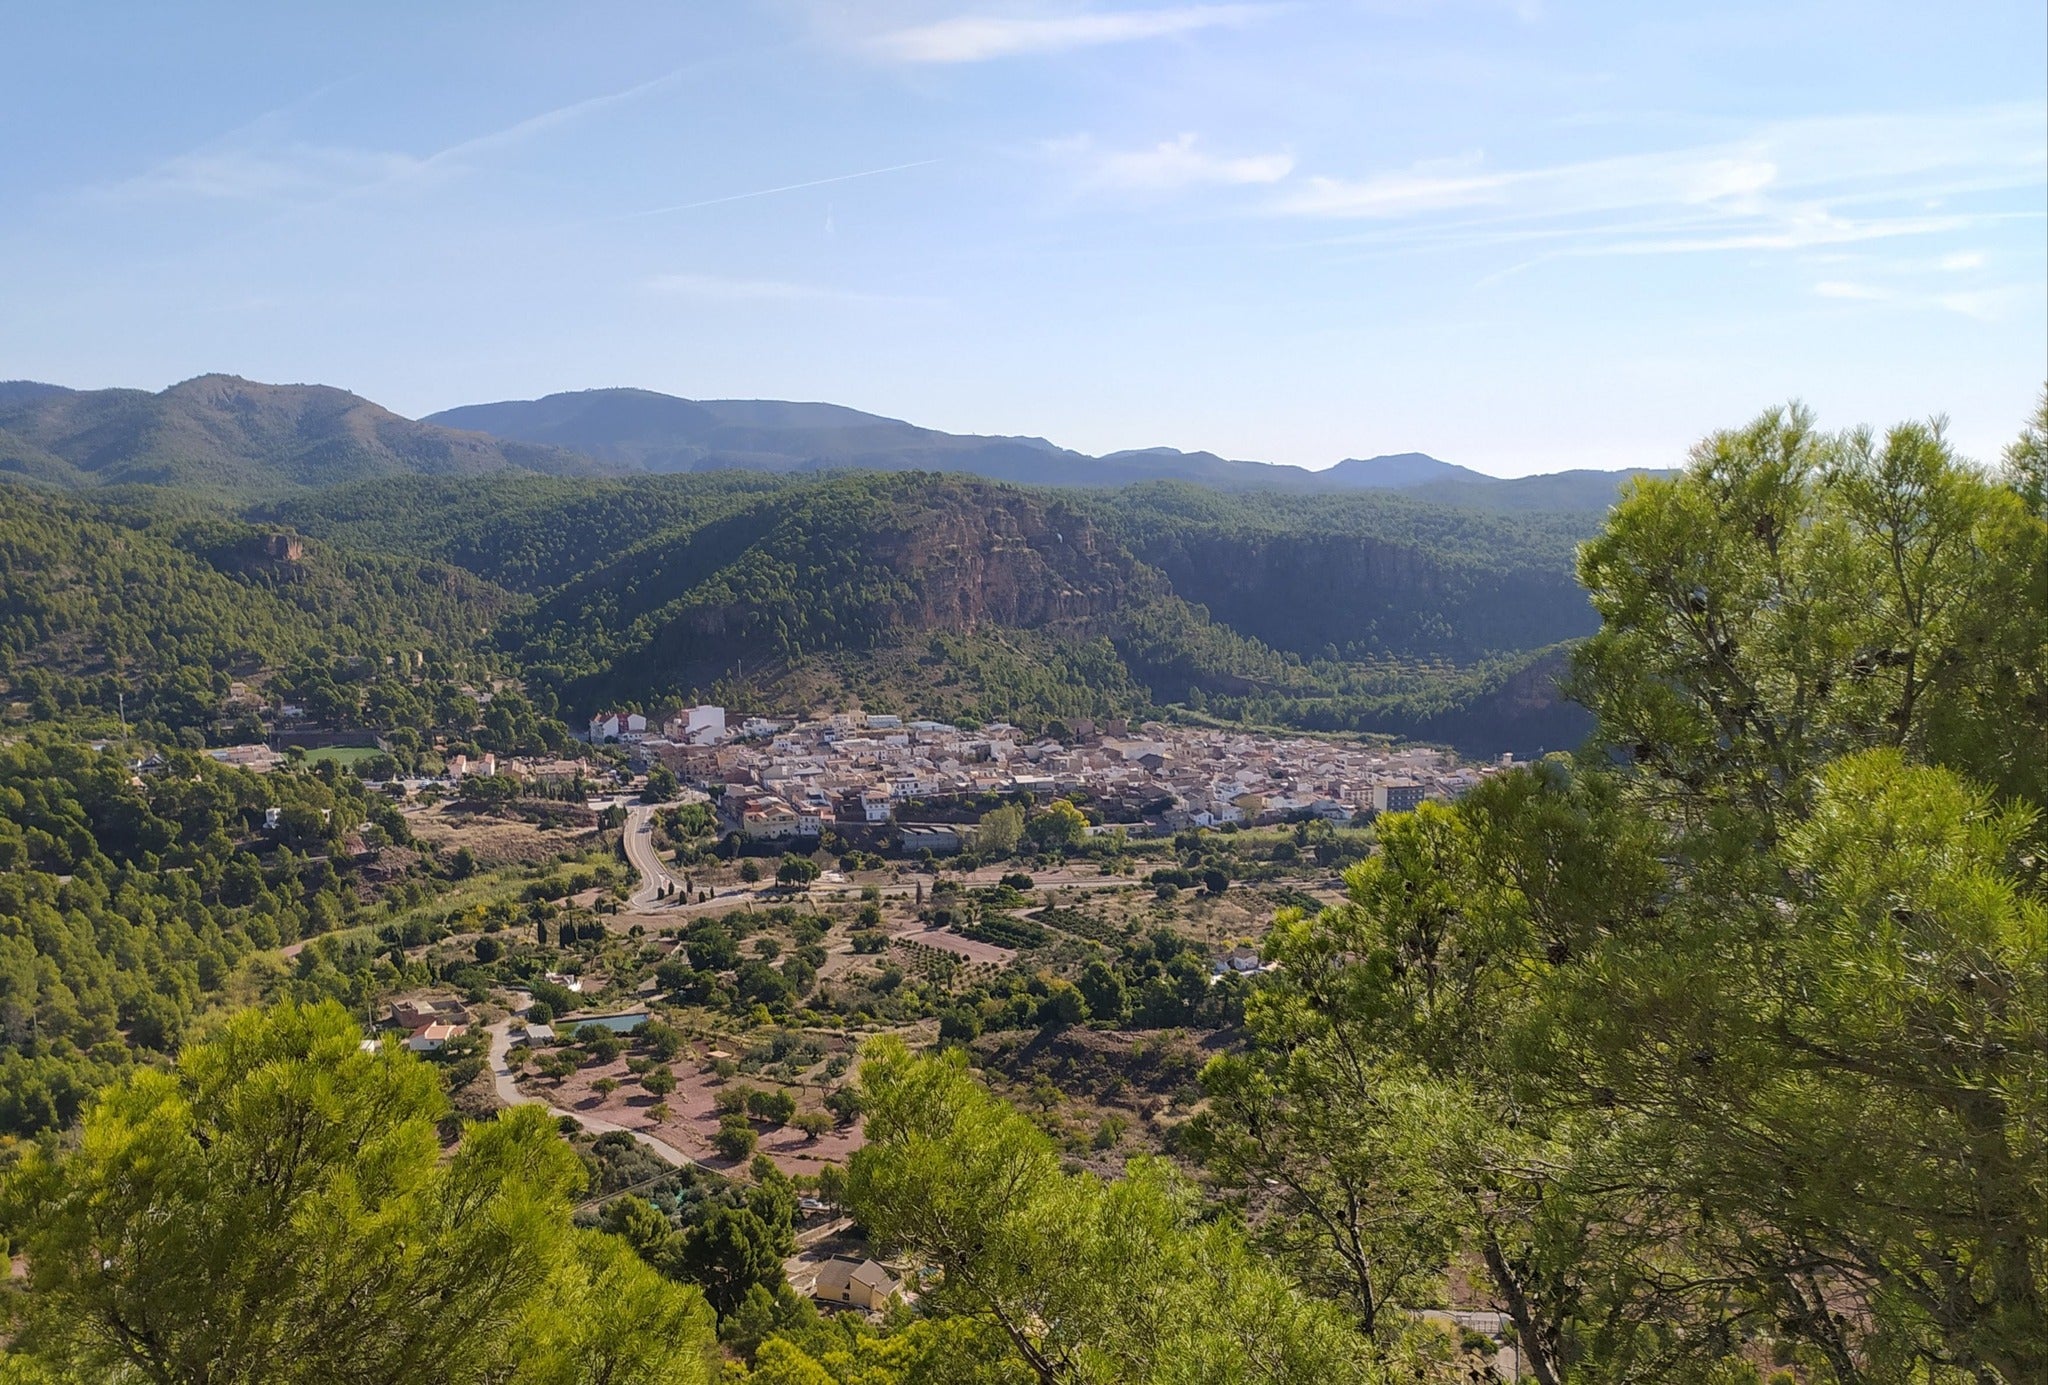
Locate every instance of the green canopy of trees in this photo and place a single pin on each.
(1722, 1044)
(278, 1209)
(1088, 1280)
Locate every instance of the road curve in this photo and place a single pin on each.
(640, 853)
(509, 1093)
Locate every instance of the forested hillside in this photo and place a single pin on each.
(336, 529)
(160, 598)
(908, 591)
(1361, 577)
(957, 597)
(127, 904)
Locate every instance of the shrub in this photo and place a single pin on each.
(1109, 1132)
(776, 1107)
(661, 1039)
(735, 1138)
(844, 1103)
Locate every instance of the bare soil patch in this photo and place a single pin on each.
(692, 1114)
(493, 841)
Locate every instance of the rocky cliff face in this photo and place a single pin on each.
(856, 564)
(983, 557)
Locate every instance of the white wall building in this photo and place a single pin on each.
(704, 725)
(616, 726)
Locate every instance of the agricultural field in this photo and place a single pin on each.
(1088, 988)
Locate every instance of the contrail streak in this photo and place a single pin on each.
(770, 192)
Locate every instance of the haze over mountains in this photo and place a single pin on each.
(220, 430)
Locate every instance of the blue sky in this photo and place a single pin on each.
(1517, 235)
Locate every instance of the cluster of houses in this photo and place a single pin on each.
(700, 725)
(789, 779)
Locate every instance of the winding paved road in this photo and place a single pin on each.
(640, 852)
(509, 1093)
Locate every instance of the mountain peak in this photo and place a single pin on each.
(19, 391)
(1399, 470)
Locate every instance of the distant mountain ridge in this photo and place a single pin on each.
(1399, 471)
(224, 431)
(244, 436)
(645, 430)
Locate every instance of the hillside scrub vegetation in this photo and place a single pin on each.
(128, 904)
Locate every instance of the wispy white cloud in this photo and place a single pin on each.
(978, 38)
(1985, 304)
(1169, 165)
(1990, 304)
(1795, 228)
(718, 288)
(1790, 186)
(1433, 186)
(519, 131)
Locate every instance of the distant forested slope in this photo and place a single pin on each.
(159, 598)
(633, 430)
(964, 597)
(1362, 576)
(248, 438)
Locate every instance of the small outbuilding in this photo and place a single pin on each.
(854, 1283)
